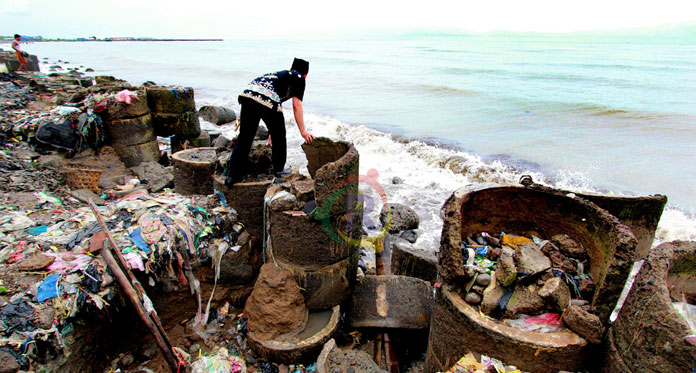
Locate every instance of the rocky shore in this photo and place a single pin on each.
(122, 249)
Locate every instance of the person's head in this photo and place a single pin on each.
(17, 37)
(301, 66)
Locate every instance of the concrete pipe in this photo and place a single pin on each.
(406, 260)
(120, 110)
(457, 329)
(184, 125)
(172, 100)
(323, 286)
(247, 200)
(302, 347)
(132, 131)
(300, 240)
(334, 166)
(194, 170)
(649, 334)
(609, 245)
(389, 301)
(133, 155)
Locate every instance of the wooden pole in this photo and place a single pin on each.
(136, 297)
(382, 340)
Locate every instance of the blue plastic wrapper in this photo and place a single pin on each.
(137, 238)
(49, 288)
(38, 230)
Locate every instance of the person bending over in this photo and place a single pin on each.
(18, 52)
(262, 99)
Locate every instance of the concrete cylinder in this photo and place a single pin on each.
(457, 328)
(193, 171)
(649, 334)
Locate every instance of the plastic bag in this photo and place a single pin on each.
(546, 323)
(688, 312)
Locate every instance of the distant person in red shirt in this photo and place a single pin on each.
(261, 100)
(19, 53)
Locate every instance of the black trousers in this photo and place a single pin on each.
(251, 113)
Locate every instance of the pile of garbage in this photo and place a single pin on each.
(51, 277)
(530, 282)
(469, 364)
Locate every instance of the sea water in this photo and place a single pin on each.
(439, 111)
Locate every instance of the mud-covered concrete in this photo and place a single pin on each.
(610, 246)
(492, 207)
(648, 334)
(407, 260)
(389, 301)
(334, 166)
(457, 329)
(194, 170)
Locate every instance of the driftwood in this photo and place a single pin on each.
(136, 294)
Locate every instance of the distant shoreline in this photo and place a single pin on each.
(115, 39)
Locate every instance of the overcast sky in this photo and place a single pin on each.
(228, 19)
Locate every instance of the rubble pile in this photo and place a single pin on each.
(530, 282)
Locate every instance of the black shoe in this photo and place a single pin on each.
(230, 181)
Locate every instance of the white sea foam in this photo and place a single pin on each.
(431, 173)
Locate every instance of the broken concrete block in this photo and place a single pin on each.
(407, 260)
(556, 293)
(524, 299)
(491, 295)
(569, 246)
(303, 189)
(333, 359)
(507, 271)
(283, 201)
(217, 114)
(530, 259)
(156, 176)
(390, 301)
(587, 325)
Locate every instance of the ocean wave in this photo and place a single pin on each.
(432, 170)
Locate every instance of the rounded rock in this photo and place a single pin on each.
(472, 298)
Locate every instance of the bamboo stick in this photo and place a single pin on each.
(128, 284)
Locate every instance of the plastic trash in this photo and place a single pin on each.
(137, 238)
(513, 241)
(126, 96)
(688, 313)
(49, 288)
(546, 323)
(38, 230)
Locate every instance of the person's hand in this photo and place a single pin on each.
(270, 143)
(308, 137)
